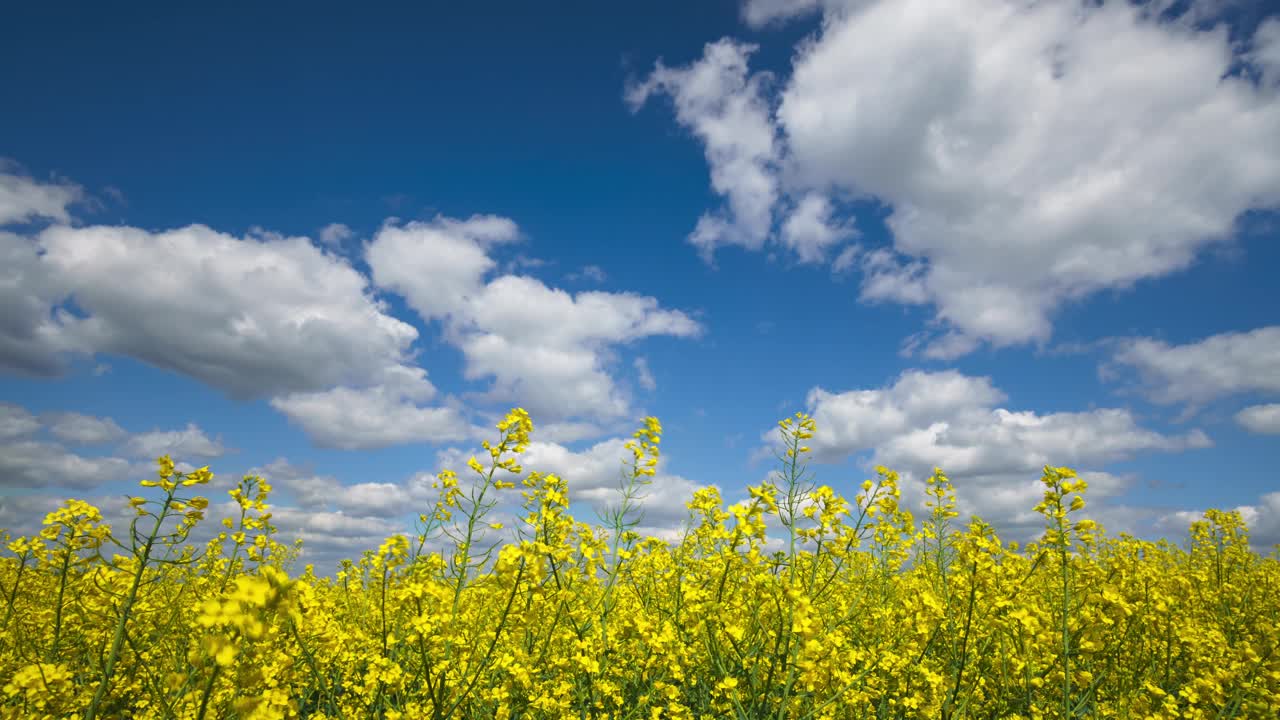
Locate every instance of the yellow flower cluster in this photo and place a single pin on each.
(794, 603)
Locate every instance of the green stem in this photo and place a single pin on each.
(1066, 605)
(497, 633)
(13, 593)
(118, 640)
(208, 691)
(62, 589)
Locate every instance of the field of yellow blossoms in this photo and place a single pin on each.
(796, 603)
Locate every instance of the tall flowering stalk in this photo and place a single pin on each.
(141, 547)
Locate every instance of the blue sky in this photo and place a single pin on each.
(332, 246)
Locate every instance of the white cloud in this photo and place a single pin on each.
(544, 349)
(265, 316)
(726, 109)
(595, 474)
(268, 316)
(23, 455)
(16, 421)
(329, 536)
(885, 277)
(23, 198)
(1028, 156)
(376, 499)
(862, 419)
(254, 317)
(437, 266)
(759, 13)
(594, 273)
(305, 488)
(644, 375)
(548, 349)
(334, 520)
(31, 335)
(1013, 201)
(1196, 373)
(388, 413)
(568, 431)
(526, 312)
(662, 504)
(24, 514)
(180, 444)
(312, 492)
(810, 230)
(1189, 12)
(1266, 50)
(845, 260)
(946, 347)
(1262, 518)
(599, 466)
(80, 429)
(1260, 419)
(953, 421)
(33, 464)
(334, 234)
(26, 462)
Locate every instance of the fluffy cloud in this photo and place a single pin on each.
(28, 461)
(1189, 13)
(31, 336)
(599, 466)
(1266, 50)
(33, 464)
(300, 485)
(1027, 156)
(330, 536)
(311, 492)
(860, 419)
(968, 144)
(438, 266)
(725, 108)
(1262, 517)
(1199, 372)
(262, 316)
(567, 432)
(24, 514)
(267, 316)
(810, 230)
(544, 348)
(16, 422)
(1260, 419)
(644, 375)
(334, 234)
(336, 520)
(594, 476)
(548, 348)
(388, 413)
(21, 514)
(80, 429)
(23, 198)
(758, 13)
(950, 420)
(593, 273)
(181, 444)
(254, 317)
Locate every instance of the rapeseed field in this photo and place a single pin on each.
(798, 602)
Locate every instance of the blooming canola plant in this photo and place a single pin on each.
(851, 610)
